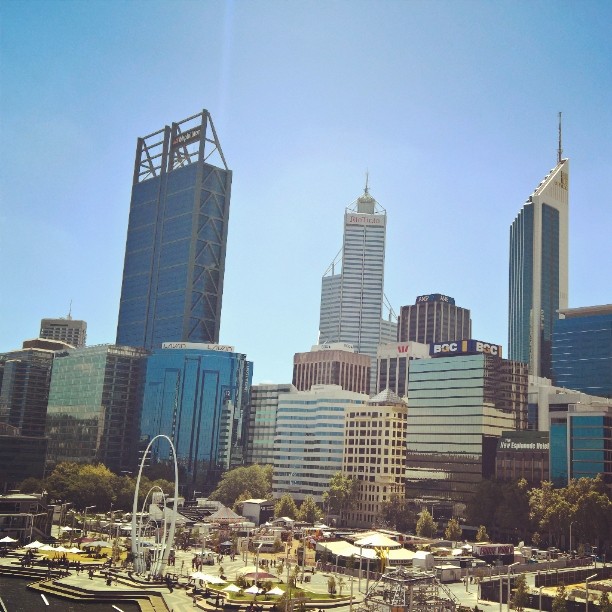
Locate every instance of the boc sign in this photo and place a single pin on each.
(464, 347)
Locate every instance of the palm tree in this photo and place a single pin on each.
(341, 582)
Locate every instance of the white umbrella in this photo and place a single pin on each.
(66, 528)
(7, 540)
(254, 590)
(275, 591)
(198, 576)
(213, 579)
(61, 549)
(35, 544)
(232, 588)
(45, 547)
(75, 550)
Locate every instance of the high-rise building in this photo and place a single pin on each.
(94, 406)
(392, 366)
(336, 363)
(539, 270)
(458, 408)
(374, 455)
(176, 239)
(198, 395)
(352, 300)
(433, 318)
(582, 350)
(67, 330)
(309, 440)
(262, 422)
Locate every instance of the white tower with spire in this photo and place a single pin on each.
(352, 292)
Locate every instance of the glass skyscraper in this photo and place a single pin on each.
(197, 395)
(352, 299)
(176, 240)
(582, 350)
(538, 285)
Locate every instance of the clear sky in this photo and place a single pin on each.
(450, 106)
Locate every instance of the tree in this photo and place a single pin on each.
(453, 530)
(255, 478)
(309, 511)
(341, 493)
(426, 527)
(285, 506)
(605, 605)
(559, 603)
(32, 485)
(482, 535)
(520, 594)
(398, 513)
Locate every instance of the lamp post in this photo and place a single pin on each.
(586, 592)
(85, 519)
(509, 567)
(540, 599)
(570, 540)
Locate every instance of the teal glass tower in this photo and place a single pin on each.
(177, 233)
(538, 272)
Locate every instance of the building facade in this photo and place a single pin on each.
(21, 457)
(433, 318)
(176, 240)
(582, 350)
(94, 406)
(262, 422)
(332, 364)
(198, 395)
(309, 440)
(392, 365)
(375, 455)
(538, 285)
(458, 408)
(352, 299)
(523, 454)
(67, 330)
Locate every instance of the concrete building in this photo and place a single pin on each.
(198, 395)
(263, 412)
(374, 454)
(582, 350)
(352, 299)
(176, 240)
(67, 330)
(539, 270)
(393, 364)
(309, 440)
(332, 364)
(21, 457)
(433, 318)
(523, 454)
(458, 408)
(94, 406)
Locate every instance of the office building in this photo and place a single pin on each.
(332, 364)
(67, 330)
(21, 457)
(582, 350)
(176, 240)
(539, 270)
(198, 395)
(433, 318)
(392, 365)
(375, 455)
(458, 408)
(262, 422)
(523, 454)
(94, 405)
(24, 391)
(352, 299)
(309, 440)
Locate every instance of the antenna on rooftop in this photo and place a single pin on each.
(366, 191)
(69, 317)
(560, 151)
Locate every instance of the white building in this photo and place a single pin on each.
(392, 364)
(309, 440)
(352, 299)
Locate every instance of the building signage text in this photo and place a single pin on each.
(435, 297)
(200, 346)
(354, 219)
(508, 444)
(464, 347)
(187, 137)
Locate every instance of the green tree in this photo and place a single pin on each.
(512, 514)
(520, 594)
(426, 527)
(605, 605)
(398, 513)
(482, 535)
(453, 530)
(237, 507)
(309, 511)
(285, 506)
(32, 485)
(255, 478)
(341, 493)
(483, 505)
(559, 603)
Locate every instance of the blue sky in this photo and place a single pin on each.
(450, 106)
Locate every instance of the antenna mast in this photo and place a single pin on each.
(366, 190)
(560, 151)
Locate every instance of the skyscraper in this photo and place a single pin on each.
(68, 330)
(176, 240)
(352, 300)
(539, 270)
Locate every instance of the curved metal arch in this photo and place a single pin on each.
(167, 545)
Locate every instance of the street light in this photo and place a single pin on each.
(85, 519)
(586, 594)
(540, 599)
(509, 567)
(570, 541)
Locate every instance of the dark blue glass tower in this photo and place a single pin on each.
(177, 233)
(582, 350)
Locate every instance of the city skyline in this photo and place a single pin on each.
(451, 107)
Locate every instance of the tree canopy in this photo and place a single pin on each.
(398, 513)
(309, 511)
(285, 506)
(426, 527)
(256, 479)
(453, 530)
(341, 493)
